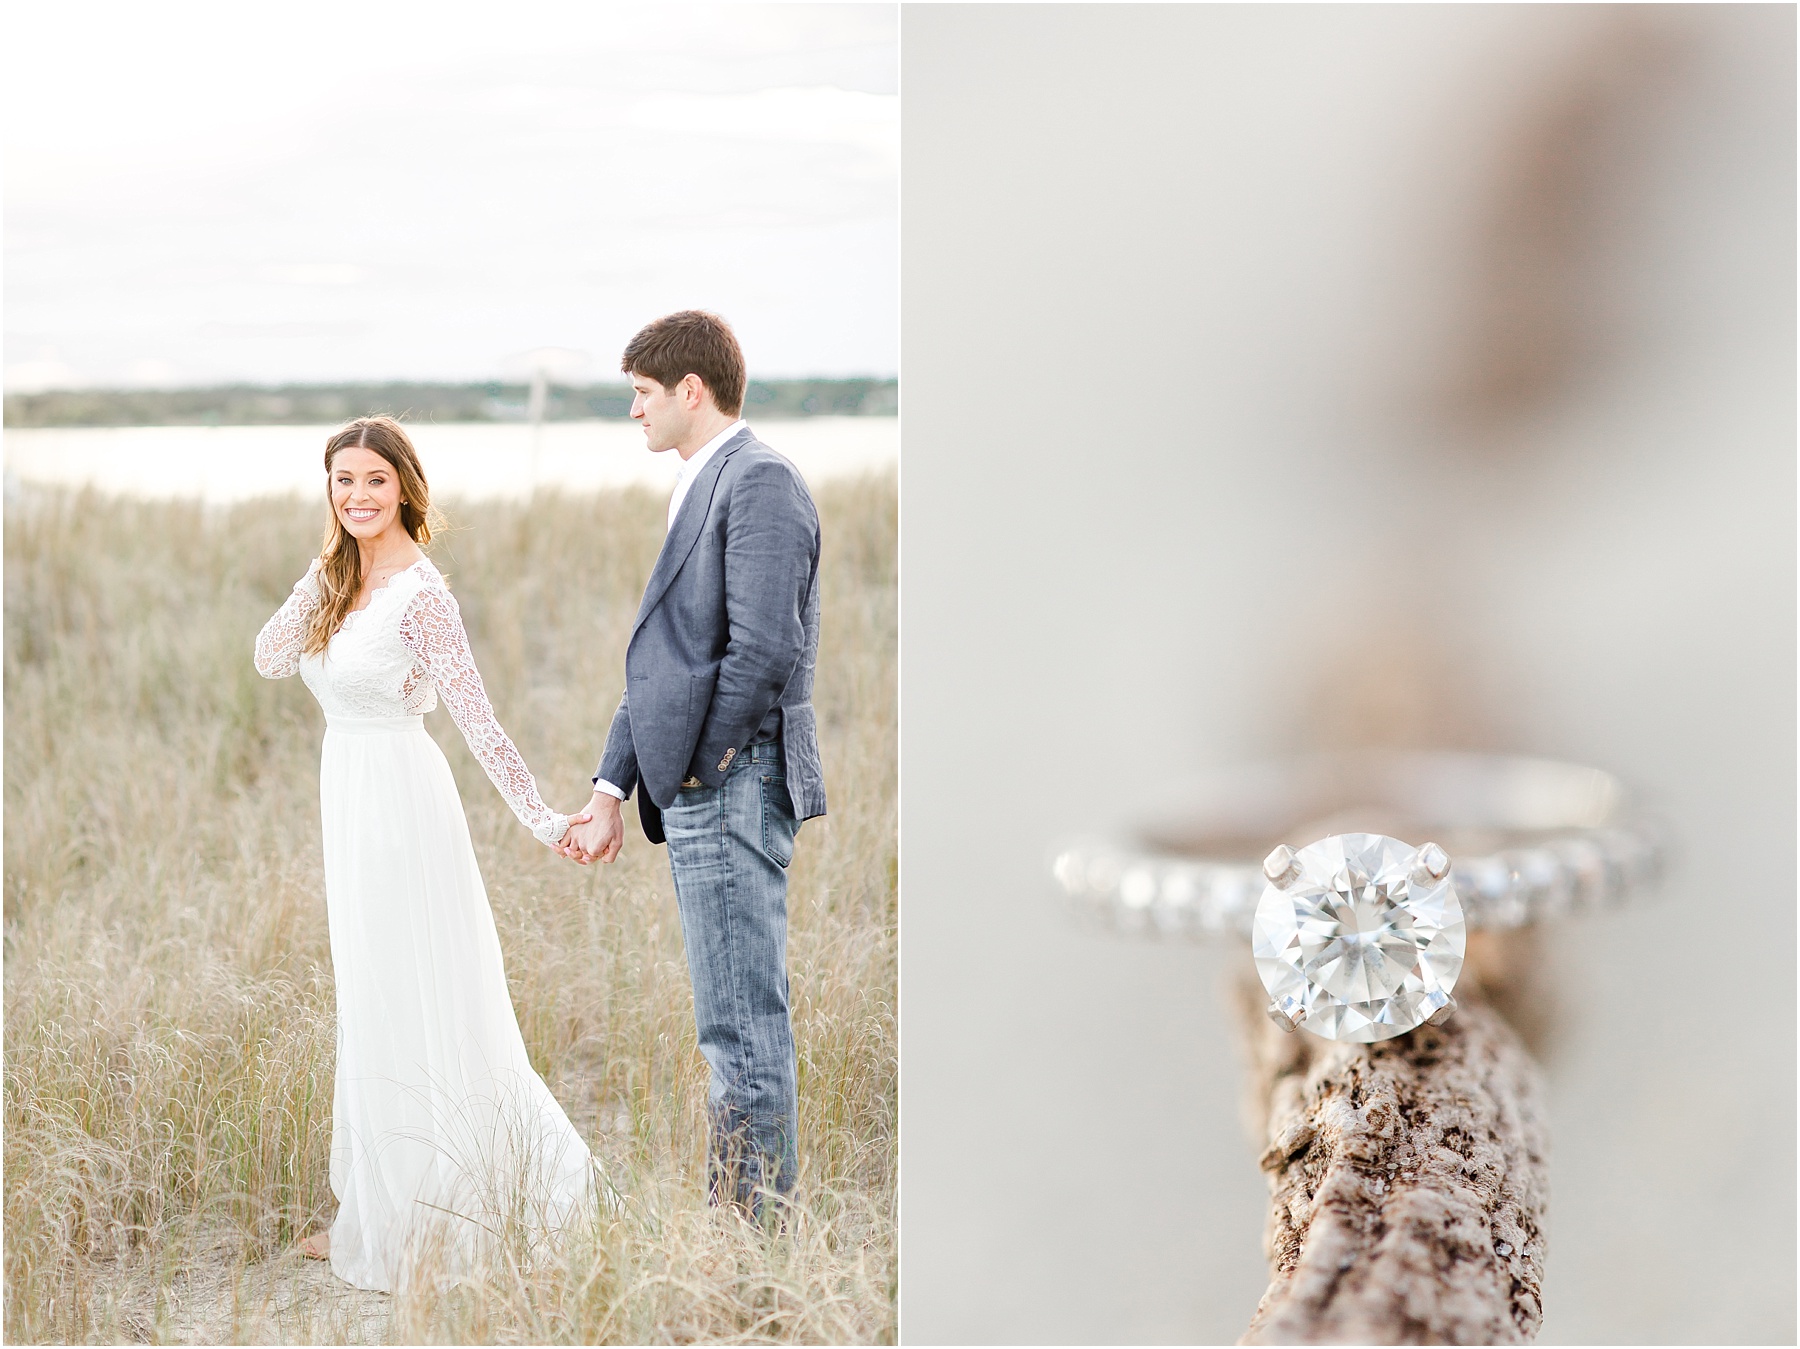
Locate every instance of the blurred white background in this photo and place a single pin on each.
(1264, 362)
(201, 192)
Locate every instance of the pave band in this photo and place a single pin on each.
(1530, 838)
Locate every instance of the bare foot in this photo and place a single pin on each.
(317, 1246)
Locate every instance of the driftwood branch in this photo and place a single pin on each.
(1407, 1179)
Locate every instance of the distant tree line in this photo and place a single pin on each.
(314, 404)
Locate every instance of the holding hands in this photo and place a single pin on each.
(596, 834)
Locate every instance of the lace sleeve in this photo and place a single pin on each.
(278, 644)
(432, 630)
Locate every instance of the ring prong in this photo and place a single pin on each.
(1433, 862)
(1287, 1023)
(1442, 1014)
(1279, 866)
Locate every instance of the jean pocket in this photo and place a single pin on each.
(778, 824)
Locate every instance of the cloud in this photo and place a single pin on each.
(36, 376)
(300, 329)
(470, 189)
(817, 115)
(313, 273)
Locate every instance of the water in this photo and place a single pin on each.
(221, 464)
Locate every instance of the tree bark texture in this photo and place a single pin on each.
(1407, 1178)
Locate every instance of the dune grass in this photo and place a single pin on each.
(168, 990)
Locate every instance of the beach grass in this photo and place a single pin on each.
(168, 991)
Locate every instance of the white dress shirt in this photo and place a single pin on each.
(690, 469)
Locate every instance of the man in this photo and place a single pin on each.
(716, 732)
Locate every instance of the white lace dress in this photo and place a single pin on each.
(441, 1129)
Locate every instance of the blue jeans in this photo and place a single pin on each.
(729, 847)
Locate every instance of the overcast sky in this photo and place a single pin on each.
(201, 192)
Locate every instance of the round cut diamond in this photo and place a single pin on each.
(1362, 944)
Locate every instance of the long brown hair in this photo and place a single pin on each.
(341, 569)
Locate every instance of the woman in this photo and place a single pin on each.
(440, 1126)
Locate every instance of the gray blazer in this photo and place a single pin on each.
(728, 628)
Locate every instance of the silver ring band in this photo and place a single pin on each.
(1538, 838)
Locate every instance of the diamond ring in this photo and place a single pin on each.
(1358, 935)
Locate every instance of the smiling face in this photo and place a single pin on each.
(365, 493)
